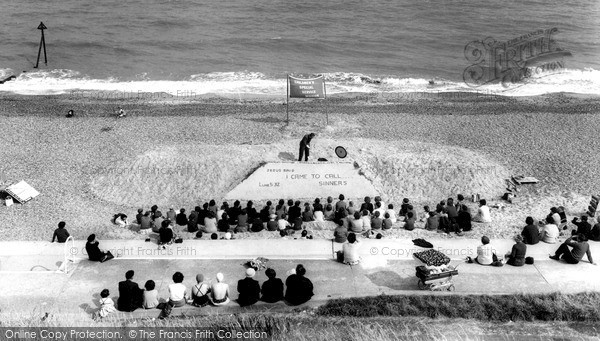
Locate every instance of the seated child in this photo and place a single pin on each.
(150, 295)
(107, 305)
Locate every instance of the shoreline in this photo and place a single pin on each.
(548, 137)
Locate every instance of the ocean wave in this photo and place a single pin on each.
(60, 81)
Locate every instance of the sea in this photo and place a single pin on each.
(249, 47)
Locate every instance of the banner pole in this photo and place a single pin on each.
(325, 99)
(287, 98)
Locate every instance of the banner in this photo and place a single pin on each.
(306, 88)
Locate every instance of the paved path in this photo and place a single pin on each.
(388, 267)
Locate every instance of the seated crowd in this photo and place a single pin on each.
(290, 216)
(131, 296)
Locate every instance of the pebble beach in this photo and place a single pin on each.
(185, 153)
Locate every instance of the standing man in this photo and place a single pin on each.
(305, 146)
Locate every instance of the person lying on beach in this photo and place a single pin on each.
(60, 234)
(120, 219)
(579, 247)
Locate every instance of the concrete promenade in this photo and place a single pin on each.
(388, 267)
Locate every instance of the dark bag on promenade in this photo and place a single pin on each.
(422, 243)
(107, 256)
(529, 260)
(166, 310)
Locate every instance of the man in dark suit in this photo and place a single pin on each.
(305, 146)
(130, 294)
(272, 289)
(249, 289)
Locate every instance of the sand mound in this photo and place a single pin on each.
(187, 175)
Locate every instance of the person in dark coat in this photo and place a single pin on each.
(272, 289)
(517, 255)
(251, 211)
(93, 250)
(305, 146)
(265, 212)
(139, 215)
(531, 233)
(249, 289)
(130, 294)
(257, 225)
(367, 205)
(192, 225)
(294, 212)
(165, 234)
(464, 219)
(299, 288)
(181, 218)
(583, 227)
